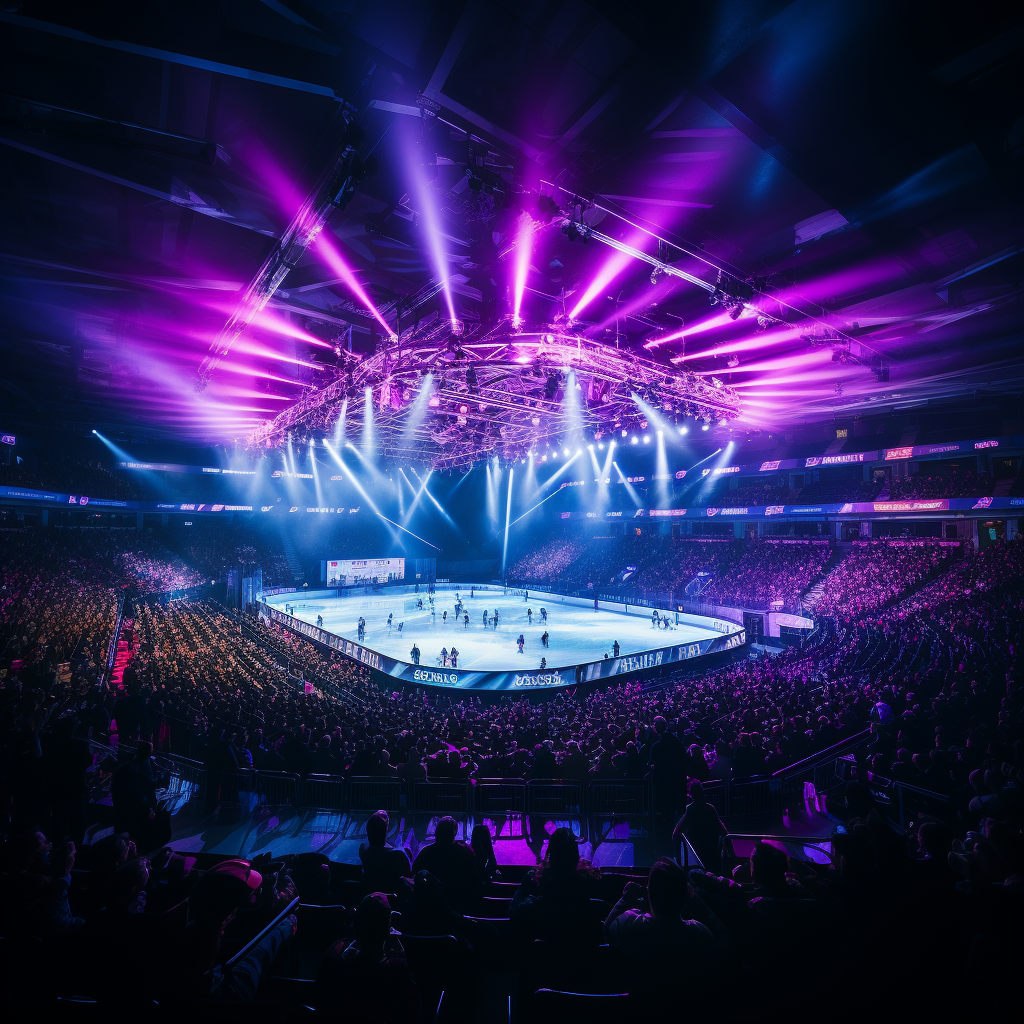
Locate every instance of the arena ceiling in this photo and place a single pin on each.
(224, 215)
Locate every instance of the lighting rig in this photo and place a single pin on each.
(502, 393)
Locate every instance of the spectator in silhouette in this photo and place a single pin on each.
(368, 975)
(384, 867)
(665, 947)
(703, 829)
(483, 850)
(553, 901)
(453, 864)
(666, 767)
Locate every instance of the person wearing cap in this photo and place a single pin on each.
(369, 976)
(215, 899)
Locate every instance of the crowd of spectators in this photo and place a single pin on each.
(956, 484)
(675, 563)
(875, 573)
(213, 546)
(936, 675)
(769, 572)
(67, 474)
(548, 561)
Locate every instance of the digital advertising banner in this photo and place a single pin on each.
(356, 572)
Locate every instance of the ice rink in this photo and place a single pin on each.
(576, 634)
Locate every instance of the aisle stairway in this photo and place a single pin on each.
(292, 558)
(125, 650)
(812, 594)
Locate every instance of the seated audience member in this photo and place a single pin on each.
(384, 867)
(453, 864)
(553, 901)
(368, 978)
(196, 965)
(668, 953)
(483, 850)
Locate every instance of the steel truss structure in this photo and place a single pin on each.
(504, 393)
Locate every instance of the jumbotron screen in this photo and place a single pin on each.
(354, 572)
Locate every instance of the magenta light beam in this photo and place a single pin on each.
(333, 258)
(613, 266)
(524, 250)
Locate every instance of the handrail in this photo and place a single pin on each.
(822, 755)
(780, 839)
(257, 939)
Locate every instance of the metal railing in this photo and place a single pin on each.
(624, 799)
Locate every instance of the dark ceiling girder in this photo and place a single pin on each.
(452, 50)
(156, 181)
(187, 60)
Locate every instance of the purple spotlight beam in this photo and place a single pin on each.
(333, 258)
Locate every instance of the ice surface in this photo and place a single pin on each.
(576, 634)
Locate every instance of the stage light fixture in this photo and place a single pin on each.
(565, 451)
(684, 429)
(624, 432)
(590, 447)
(647, 438)
(705, 426)
(634, 439)
(600, 446)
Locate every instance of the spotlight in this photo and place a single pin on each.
(600, 447)
(458, 327)
(565, 451)
(590, 447)
(634, 440)
(535, 420)
(434, 401)
(661, 433)
(464, 409)
(684, 429)
(722, 422)
(624, 431)
(705, 426)
(647, 438)
(94, 431)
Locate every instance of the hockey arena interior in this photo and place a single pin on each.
(511, 511)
